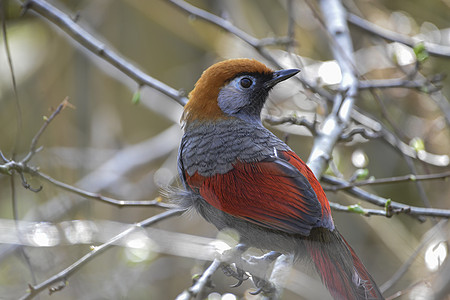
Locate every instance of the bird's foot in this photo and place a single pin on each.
(263, 262)
(257, 266)
(233, 270)
(267, 258)
(236, 273)
(262, 286)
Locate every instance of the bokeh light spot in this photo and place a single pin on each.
(330, 72)
(229, 296)
(214, 296)
(139, 248)
(44, 235)
(359, 158)
(435, 255)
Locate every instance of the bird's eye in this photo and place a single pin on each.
(246, 82)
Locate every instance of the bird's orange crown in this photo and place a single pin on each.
(202, 104)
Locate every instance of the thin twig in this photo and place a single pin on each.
(65, 103)
(135, 156)
(312, 126)
(424, 280)
(358, 209)
(255, 266)
(218, 21)
(387, 136)
(157, 202)
(20, 237)
(404, 178)
(291, 26)
(21, 168)
(432, 49)
(421, 85)
(84, 38)
(347, 136)
(391, 206)
(426, 239)
(13, 78)
(257, 44)
(62, 276)
(397, 141)
(196, 291)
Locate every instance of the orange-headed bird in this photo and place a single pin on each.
(239, 175)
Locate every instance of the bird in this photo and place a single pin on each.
(237, 174)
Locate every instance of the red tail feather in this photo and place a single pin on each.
(340, 269)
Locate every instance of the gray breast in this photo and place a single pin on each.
(212, 148)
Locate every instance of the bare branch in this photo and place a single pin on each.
(122, 163)
(391, 206)
(390, 139)
(291, 26)
(257, 44)
(67, 272)
(421, 85)
(438, 96)
(275, 41)
(333, 126)
(331, 133)
(426, 239)
(312, 126)
(213, 19)
(65, 103)
(397, 133)
(84, 38)
(405, 178)
(157, 202)
(195, 291)
(26, 185)
(13, 77)
(433, 49)
(358, 209)
(256, 266)
(347, 136)
(22, 168)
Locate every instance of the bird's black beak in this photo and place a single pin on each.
(279, 76)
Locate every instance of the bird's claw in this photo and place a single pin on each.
(242, 277)
(239, 274)
(257, 292)
(237, 284)
(234, 270)
(262, 286)
(235, 255)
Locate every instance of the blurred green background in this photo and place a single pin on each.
(90, 146)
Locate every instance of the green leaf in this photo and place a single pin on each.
(387, 204)
(136, 97)
(420, 52)
(356, 208)
(417, 144)
(362, 174)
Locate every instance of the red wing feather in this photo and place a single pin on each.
(270, 193)
(296, 161)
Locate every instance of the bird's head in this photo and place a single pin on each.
(232, 88)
